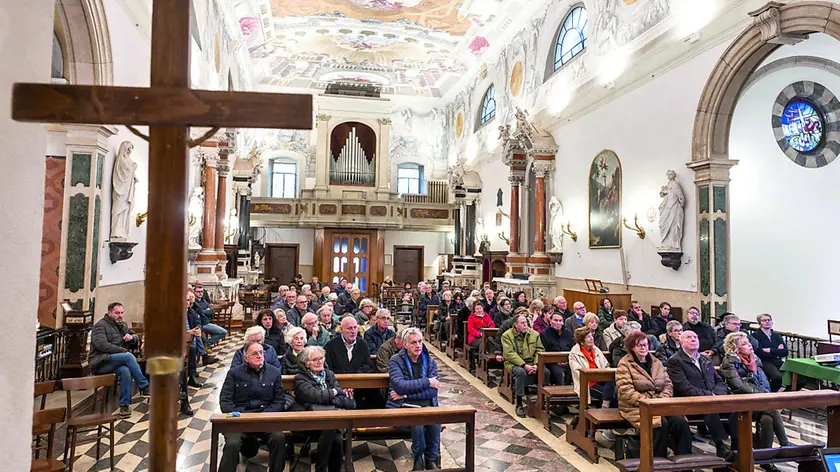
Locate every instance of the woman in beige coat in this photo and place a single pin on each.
(641, 375)
(586, 355)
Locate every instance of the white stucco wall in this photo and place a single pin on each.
(26, 32)
(783, 260)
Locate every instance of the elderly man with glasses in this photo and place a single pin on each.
(380, 332)
(576, 321)
(705, 332)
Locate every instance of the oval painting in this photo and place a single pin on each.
(459, 125)
(516, 79)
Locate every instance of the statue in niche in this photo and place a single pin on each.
(671, 215)
(555, 226)
(123, 186)
(196, 210)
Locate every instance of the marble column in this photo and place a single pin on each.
(458, 229)
(712, 183)
(223, 167)
(206, 261)
(383, 160)
(470, 229)
(515, 182)
(322, 155)
(86, 148)
(541, 170)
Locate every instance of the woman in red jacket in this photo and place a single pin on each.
(478, 320)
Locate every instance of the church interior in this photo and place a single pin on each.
(449, 174)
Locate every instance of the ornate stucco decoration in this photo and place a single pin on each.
(769, 22)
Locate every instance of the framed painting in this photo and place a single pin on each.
(605, 201)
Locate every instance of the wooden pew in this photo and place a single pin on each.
(431, 313)
(346, 420)
(465, 349)
(375, 380)
(487, 360)
(450, 346)
(546, 394)
(592, 419)
(744, 405)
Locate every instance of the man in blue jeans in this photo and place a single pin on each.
(109, 353)
(205, 311)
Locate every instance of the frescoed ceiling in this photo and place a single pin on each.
(408, 47)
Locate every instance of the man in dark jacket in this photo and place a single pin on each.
(389, 349)
(413, 373)
(562, 306)
(556, 338)
(693, 375)
(205, 311)
(379, 333)
(771, 350)
(705, 332)
(109, 343)
(295, 315)
(638, 315)
(659, 323)
(253, 387)
(426, 298)
(345, 355)
(730, 324)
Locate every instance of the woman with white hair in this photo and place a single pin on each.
(295, 342)
(317, 389)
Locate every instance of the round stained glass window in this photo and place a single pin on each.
(802, 126)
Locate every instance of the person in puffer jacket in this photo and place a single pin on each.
(414, 384)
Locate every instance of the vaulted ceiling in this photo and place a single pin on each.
(418, 48)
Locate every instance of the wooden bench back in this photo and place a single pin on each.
(546, 357)
(486, 334)
(99, 383)
(42, 389)
(592, 375)
(744, 405)
(377, 380)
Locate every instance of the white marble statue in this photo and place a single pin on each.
(671, 214)
(555, 212)
(257, 261)
(123, 186)
(196, 211)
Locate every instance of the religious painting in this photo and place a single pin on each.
(605, 201)
(516, 79)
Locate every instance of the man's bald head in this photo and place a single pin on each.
(689, 342)
(349, 329)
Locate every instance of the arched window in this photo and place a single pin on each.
(57, 59)
(410, 179)
(571, 39)
(488, 106)
(282, 181)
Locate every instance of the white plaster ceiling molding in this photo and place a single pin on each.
(423, 47)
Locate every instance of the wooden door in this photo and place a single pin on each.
(408, 264)
(350, 257)
(281, 262)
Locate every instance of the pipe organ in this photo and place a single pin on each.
(355, 163)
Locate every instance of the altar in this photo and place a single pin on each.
(534, 289)
(227, 290)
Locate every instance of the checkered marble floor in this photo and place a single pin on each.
(502, 443)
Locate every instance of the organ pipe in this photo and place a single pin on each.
(353, 165)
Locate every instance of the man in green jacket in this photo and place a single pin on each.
(520, 346)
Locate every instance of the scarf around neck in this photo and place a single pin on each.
(749, 362)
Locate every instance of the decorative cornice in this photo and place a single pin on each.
(384, 121)
(769, 21)
(542, 169)
(322, 117)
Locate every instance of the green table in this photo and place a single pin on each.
(807, 367)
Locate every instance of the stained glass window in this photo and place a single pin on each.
(488, 106)
(802, 126)
(571, 40)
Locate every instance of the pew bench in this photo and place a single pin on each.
(744, 406)
(548, 394)
(452, 341)
(347, 420)
(590, 420)
(466, 350)
(431, 313)
(486, 360)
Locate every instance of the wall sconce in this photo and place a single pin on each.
(640, 232)
(567, 229)
(500, 228)
(141, 218)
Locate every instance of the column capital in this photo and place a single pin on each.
(516, 179)
(223, 167)
(208, 156)
(543, 168)
(712, 169)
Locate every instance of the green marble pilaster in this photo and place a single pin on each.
(88, 148)
(713, 280)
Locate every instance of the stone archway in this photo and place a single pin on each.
(774, 25)
(82, 30)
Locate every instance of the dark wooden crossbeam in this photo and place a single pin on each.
(161, 106)
(169, 107)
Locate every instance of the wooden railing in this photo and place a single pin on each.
(346, 420)
(798, 345)
(744, 405)
(50, 347)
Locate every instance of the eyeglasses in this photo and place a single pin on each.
(316, 359)
(692, 312)
(309, 323)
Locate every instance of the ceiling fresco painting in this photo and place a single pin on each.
(418, 48)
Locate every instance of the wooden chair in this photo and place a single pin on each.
(42, 389)
(47, 420)
(431, 313)
(487, 360)
(96, 421)
(546, 394)
(222, 314)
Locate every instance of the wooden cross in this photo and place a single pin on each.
(169, 108)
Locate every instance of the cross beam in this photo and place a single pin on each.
(169, 107)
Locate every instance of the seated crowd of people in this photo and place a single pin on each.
(315, 335)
